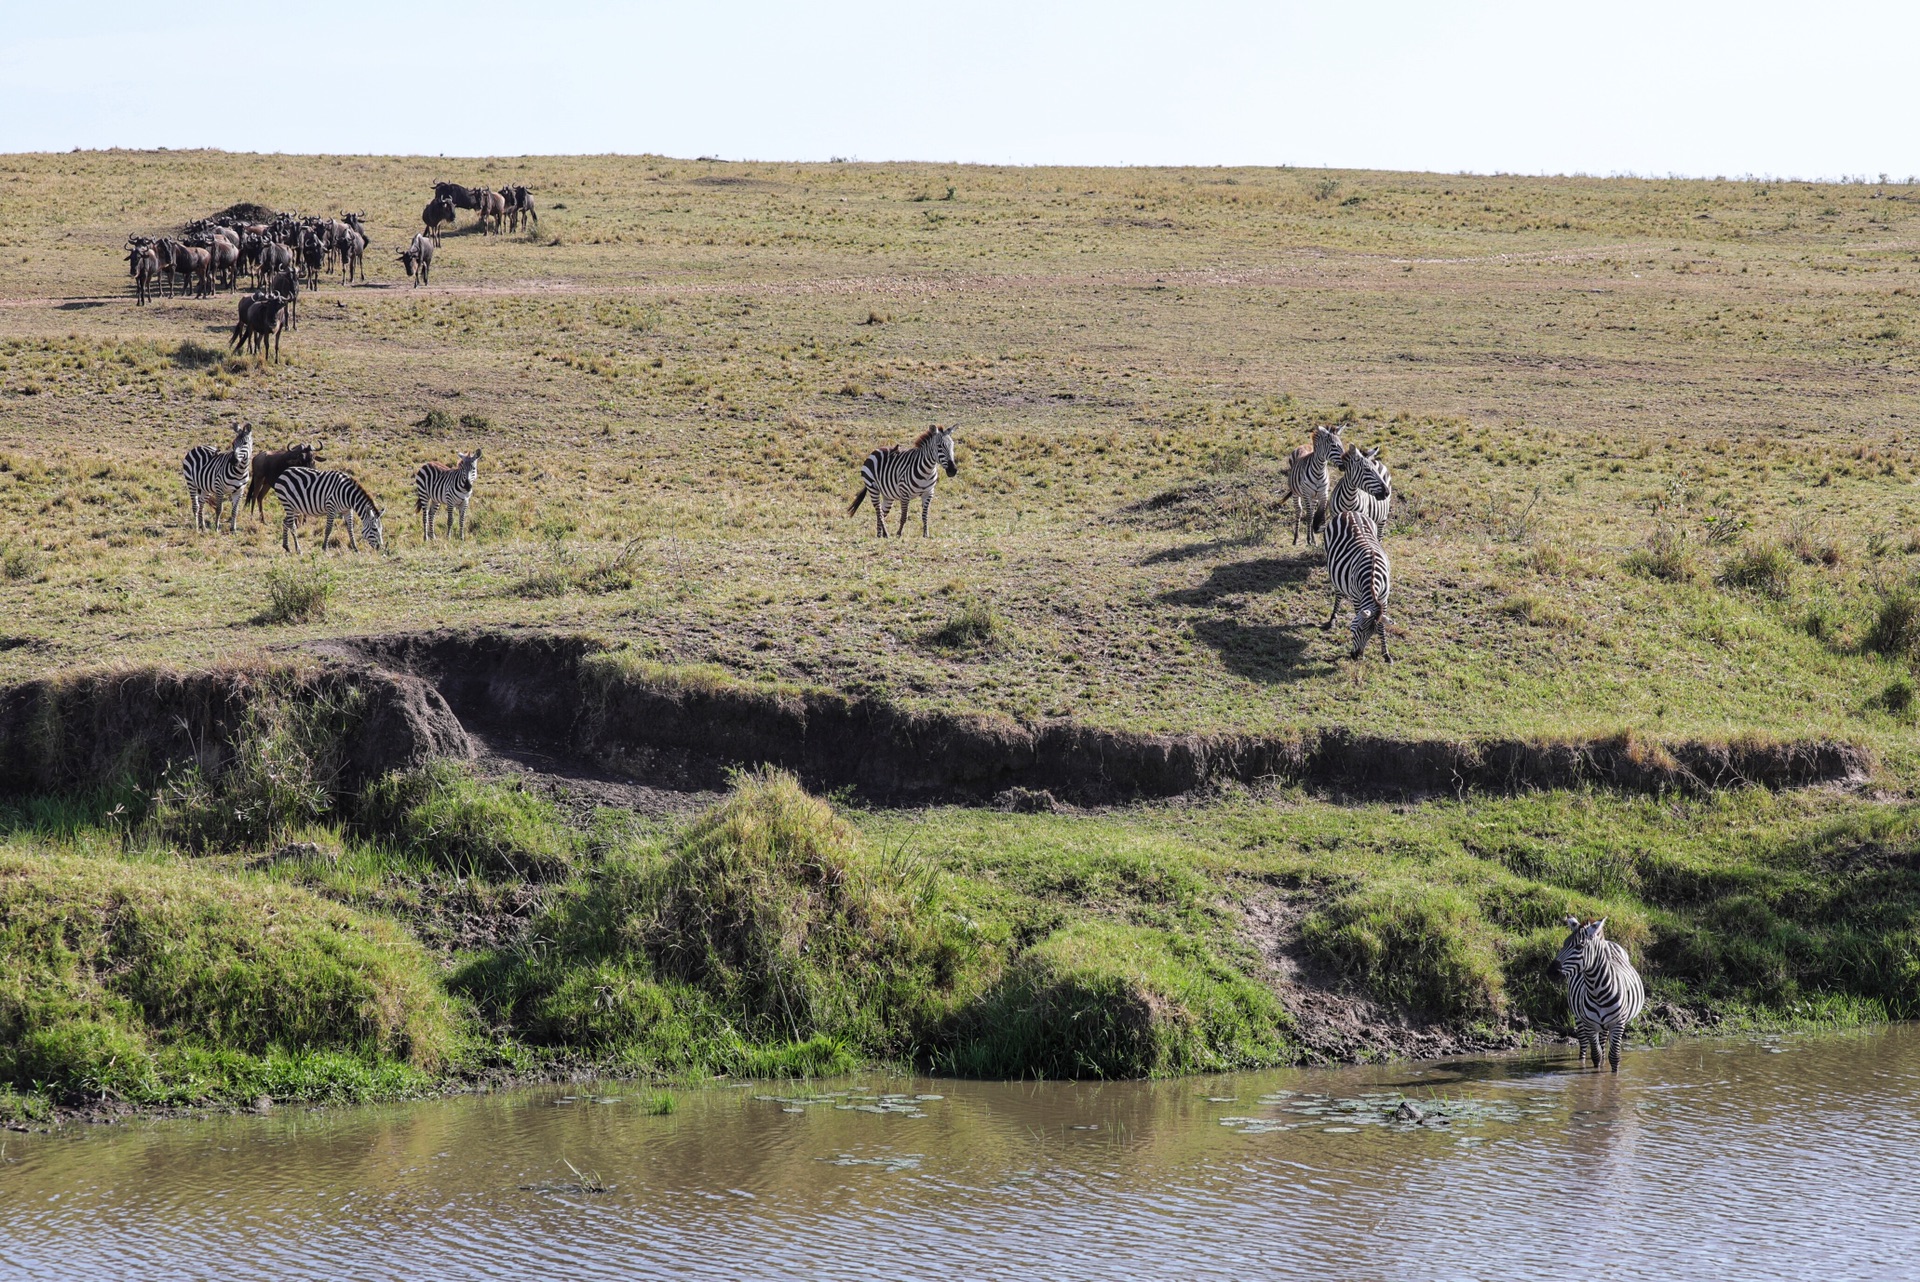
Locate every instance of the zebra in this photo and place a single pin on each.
(1354, 495)
(218, 475)
(302, 491)
(902, 472)
(1357, 565)
(1604, 991)
(448, 487)
(1307, 477)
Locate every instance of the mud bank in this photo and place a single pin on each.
(403, 699)
(570, 695)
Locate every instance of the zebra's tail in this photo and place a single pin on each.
(858, 499)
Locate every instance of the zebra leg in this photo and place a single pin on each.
(926, 501)
(1613, 1047)
(1328, 625)
(880, 509)
(426, 522)
(1380, 625)
(346, 523)
(288, 532)
(463, 522)
(326, 540)
(906, 510)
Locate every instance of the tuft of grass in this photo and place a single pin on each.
(435, 422)
(283, 773)
(443, 815)
(1425, 949)
(298, 591)
(660, 1104)
(1666, 556)
(1895, 630)
(21, 561)
(1766, 568)
(974, 626)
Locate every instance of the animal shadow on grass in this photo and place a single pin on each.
(1258, 651)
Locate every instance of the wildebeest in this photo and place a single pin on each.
(262, 316)
(519, 203)
(313, 256)
(287, 282)
(186, 260)
(489, 204)
(224, 253)
(460, 197)
(418, 258)
(143, 264)
(439, 210)
(267, 469)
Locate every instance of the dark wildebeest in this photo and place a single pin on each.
(313, 256)
(262, 317)
(439, 210)
(352, 247)
(418, 258)
(143, 264)
(276, 257)
(490, 204)
(519, 204)
(461, 197)
(186, 260)
(267, 469)
(287, 281)
(225, 255)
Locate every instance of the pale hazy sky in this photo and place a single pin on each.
(1792, 89)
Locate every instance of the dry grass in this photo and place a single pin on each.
(682, 374)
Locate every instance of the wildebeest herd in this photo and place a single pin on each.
(285, 254)
(215, 476)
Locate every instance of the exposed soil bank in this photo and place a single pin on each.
(570, 696)
(407, 698)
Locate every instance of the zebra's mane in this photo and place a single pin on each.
(925, 436)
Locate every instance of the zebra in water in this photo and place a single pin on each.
(1604, 991)
(218, 475)
(1354, 495)
(900, 472)
(302, 491)
(448, 487)
(1357, 565)
(1307, 477)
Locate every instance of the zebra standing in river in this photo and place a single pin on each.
(1307, 477)
(448, 487)
(902, 472)
(302, 491)
(218, 475)
(1357, 565)
(1604, 991)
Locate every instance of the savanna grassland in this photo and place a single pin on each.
(1654, 445)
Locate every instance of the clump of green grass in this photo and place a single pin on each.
(159, 983)
(1424, 949)
(974, 626)
(1666, 556)
(1895, 630)
(1897, 698)
(435, 422)
(1537, 611)
(443, 815)
(283, 773)
(660, 1104)
(21, 561)
(298, 591)
(195, 355)
(1765, 568)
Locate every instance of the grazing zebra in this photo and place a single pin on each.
(448, 487)
(903, 471)
(218, 475)
(1307, 477)
(302, 491)
(1354, 494)
(1357, 565)
(1604, 991)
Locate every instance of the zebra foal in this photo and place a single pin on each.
(904, 472)
(448, 487)
(303, 492)
(1604, 991)
(218, 475)
(1307, 477)
(1357, 565)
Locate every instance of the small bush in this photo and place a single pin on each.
(444, 815)
(974, 626)
(1765, 568)
(283, 774)
(298, 592)
(1666, 557)
(1421, 948)
(1897, 698)
(1895, 631)
(436, 422)
(475, 422)
(20, 561)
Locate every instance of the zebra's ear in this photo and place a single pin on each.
(1572, 922)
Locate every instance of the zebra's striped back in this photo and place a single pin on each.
(1604, 992)
(305, 492)
(899, 473)
(1359, 572)
(218, 475)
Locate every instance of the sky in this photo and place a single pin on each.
(1697, 88)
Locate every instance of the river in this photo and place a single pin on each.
(1787, 1157)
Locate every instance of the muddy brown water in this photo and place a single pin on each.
(1769, 1158)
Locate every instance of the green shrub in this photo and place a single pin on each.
(1425, 949)
(1897, 698)
(1666, 557)
(442, 814)
(284, 772)
(1895, 630)
(1765, 568)
(973, 626)
(436, 422)
(160, 983)
(298, 591)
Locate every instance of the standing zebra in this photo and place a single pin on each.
(1353, 494)
(1604, 991)
(218, 475)
(1307, 477)
(903, 471)
(304, 492)
(448, 487)
(1357, 564)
